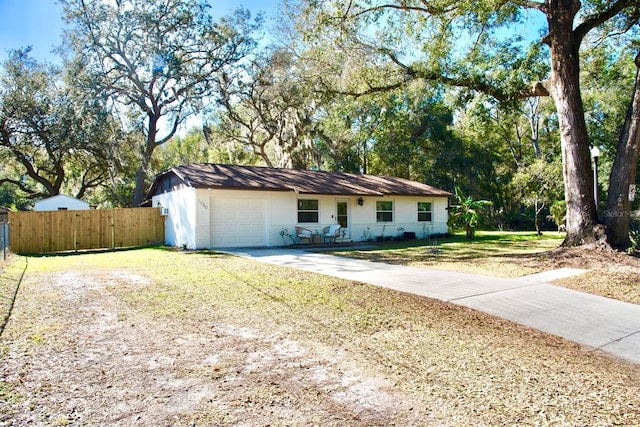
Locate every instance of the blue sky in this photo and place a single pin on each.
(38, 23)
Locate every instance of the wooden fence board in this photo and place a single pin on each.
(58, 231)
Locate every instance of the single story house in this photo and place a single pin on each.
(60, 202)
(216, 206)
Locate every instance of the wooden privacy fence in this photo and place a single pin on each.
(57, 231)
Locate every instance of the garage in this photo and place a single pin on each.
(238, 222)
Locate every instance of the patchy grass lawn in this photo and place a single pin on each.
(489, 253)
(11, 271)
(160, 337)
(513, 254)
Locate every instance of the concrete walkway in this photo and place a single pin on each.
(601, 323)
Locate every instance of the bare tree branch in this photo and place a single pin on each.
(603, 16)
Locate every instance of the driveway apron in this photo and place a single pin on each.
(597, 322)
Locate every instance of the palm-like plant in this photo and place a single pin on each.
(467, 212)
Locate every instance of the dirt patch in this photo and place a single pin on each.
(94, 361)
(610, 273)
(585, 257)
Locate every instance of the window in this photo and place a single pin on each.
(384, 211)
(343, 214)
(307, 211)
(424, 211)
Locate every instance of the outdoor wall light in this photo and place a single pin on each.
(360, 201)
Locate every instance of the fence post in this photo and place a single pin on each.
(75, 232)
(5, 239)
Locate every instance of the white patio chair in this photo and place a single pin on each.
(331, 232)
(304, 233)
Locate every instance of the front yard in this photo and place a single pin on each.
(162, 337)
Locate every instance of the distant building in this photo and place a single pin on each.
(61, 203)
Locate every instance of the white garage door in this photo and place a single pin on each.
(237, 222)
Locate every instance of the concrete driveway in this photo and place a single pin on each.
(598, 322)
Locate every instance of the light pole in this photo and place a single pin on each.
(595, 153)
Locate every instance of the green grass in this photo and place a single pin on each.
(490, 252)
(484, 242)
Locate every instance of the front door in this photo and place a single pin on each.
(342, 209)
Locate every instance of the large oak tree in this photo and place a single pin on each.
(269, 109)
(617, 216)
(52, 136)
(160, 59)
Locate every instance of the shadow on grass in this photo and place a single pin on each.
(9, 287)
(96, 251)
(494, 246)
(211, 253)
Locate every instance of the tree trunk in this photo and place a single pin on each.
(617, 217)
(564, 87)
(138, 194)
(534, 123)
(145, 161)
(536, 220)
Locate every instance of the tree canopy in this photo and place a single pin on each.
(51, 134)
(465, 45)
(159, 60)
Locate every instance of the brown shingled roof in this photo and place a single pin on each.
(206, 175)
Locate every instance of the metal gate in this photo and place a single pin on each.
(4, 239)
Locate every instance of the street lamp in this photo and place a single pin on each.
(595, 153)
